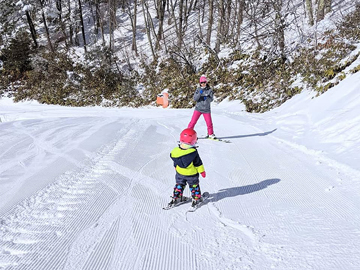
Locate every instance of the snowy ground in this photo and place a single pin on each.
(83, 188)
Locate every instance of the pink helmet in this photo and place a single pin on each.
(188, 136)
(203, 79)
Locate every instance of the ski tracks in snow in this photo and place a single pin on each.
(99, 214)
(102, 207)
(294, 197)
(38, 232)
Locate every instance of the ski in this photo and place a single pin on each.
(204, 198)
(214, 139)
(184, 200)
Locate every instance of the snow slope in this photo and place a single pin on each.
(83, 188)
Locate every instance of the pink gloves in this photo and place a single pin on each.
(203, 174)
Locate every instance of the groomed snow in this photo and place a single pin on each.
(83, 188)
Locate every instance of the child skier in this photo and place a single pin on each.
(188, 166)
(203, 96)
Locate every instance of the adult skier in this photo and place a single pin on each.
(203, 96)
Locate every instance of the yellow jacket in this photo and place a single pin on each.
(187, 161)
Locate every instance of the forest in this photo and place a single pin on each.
(126, 52)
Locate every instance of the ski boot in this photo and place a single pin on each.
(176, 202)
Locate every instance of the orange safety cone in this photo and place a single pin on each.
(165, 100)
(159, 100)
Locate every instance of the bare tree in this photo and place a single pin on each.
(328, 6)
(133, 20)
(147, 26)
(227, 18)
(32, 27)
(178, 20)
(181, 19)
(92, 5)
(253, 12)
(279, 26)
(220, 22)
(61, 22)
(240, 17)
(309, 8)
(82, 24)
(70, 24)
(189, 6)
(320, 10)
(210, 21)
(45, 25)
(112, 21)
(161, 15)
(100, 20)
(200, 17)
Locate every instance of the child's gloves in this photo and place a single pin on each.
(201, 91)
(203, 174)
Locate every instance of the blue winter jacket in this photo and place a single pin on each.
(204, 99)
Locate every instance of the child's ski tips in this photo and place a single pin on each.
(204, 198)
(184, 200)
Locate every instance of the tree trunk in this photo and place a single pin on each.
(240, 16)
(112, 14)
(220, 22)
(82, 24)
(309, 8)
(280, 27)
(99, 20)
(328, 6)
(62, 25)
(112, 21)
(320, 11)
(227, 19)
(97, 17)
(187, 11)
(94, 17)
(147, 28)
(71, 30)
(133, 25)
(32, 28)
(252, 11)
(46, 27)
(181, 18)
(150, 21)
(210, 21)
(161, 14)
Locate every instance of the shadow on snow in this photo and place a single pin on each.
(249, 135)
(243, 190)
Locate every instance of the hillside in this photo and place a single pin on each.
(119, 53)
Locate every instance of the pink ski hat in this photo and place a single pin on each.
(203, 79)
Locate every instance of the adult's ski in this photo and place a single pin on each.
(214, 139)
